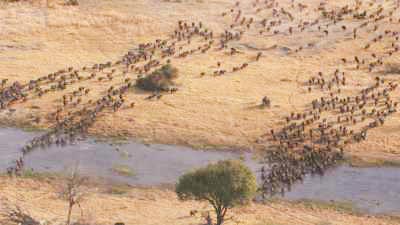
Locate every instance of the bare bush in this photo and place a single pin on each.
(73, 193)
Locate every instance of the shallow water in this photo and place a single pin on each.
(151, 164)
(374, 190)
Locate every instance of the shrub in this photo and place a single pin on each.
(71, 2)
(159, 80)
(224, 185)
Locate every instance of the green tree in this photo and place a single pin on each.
(224, 185)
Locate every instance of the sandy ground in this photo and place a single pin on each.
(42, 201)
(207, 112)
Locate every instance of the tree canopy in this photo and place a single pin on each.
(224, 185)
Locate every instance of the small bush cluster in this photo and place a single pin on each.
(159, 80)
(71, 2)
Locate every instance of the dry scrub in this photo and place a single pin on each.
(160, 207)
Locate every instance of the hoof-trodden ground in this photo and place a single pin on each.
(211, 109)
(292, 53)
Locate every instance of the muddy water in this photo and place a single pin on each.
(374, 190)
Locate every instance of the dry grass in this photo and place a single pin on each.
(160, 207)
(392, 68)
(18, 216)
(207, 112)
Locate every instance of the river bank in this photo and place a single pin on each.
(159, 207)
(371, 189)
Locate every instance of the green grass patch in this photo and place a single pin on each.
(118, 189)
(40, 176)
(113, 139)
(339, 206)
(324, 223)
(22, 125)
(31, 128)
(269, 222)
(124, 154)
(123, 170)
(355, 161)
